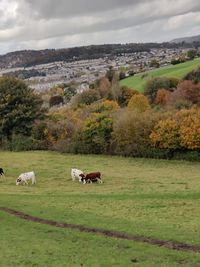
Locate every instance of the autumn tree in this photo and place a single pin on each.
(131, 130)
(56, 100)
(162, 97)
(158, 83)
(125, 95)
(139, 103)
(186, 91)
(95, 136)
(179, 131)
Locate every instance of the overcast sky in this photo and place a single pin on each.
(39, 24)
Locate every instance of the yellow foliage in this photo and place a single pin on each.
(180, 130)
(139, 102)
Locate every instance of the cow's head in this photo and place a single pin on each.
(18, 181)
(82, 177)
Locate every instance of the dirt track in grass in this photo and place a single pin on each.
(107, 233)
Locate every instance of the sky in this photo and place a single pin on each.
(41, 24)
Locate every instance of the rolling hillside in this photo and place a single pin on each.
(176, 71)
(190, 39)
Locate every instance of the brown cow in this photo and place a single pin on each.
(91, 177)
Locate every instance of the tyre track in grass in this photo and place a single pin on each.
(103, 232)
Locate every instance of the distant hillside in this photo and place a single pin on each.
(190, 40)
(138, 81)
(29, 58)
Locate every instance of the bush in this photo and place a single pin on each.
(20, 143)
(187, 155)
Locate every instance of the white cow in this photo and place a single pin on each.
(75, 174)
(25, 177)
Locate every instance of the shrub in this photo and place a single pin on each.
(22, 143)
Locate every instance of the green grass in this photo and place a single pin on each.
(173, 71)
(154, 198)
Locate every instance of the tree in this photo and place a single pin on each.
(179, 131)
(131, 132)
(55, 100)
(193, 76)
(95, 136)
(103, 87)
(155, 84)
(154, 63)
(86, 97)
(110, 74)
(105, 106)
(122, 75)
(69, 92)
(125, 95)
(139, 103)
(19, 107)
(162, 97)
(186, 91)
(166, 134)
(191, 54)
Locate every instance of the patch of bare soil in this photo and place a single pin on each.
(153, 241)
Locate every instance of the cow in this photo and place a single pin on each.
(75, 174)
(25, 177)
(91, 177)
(2, 172)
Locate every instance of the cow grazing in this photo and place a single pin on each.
(2, 172)
(91, 177)
(75, 174)
(25, 177)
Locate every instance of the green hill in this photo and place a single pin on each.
(138, 81)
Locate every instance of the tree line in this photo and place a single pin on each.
(164, 122)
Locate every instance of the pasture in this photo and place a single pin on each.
(138, 81)
(141, 197)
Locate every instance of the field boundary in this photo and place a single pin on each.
(108, 233)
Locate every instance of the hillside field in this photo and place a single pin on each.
(138, 81)
(141, 197)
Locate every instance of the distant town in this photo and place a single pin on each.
(82, 73)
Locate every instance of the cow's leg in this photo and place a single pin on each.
(99, 180)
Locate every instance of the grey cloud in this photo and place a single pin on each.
(50, 23)
(64, 8)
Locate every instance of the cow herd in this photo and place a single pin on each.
(76, 174)
(85, 178)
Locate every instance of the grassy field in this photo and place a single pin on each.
(146, 197)
(176, 71)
